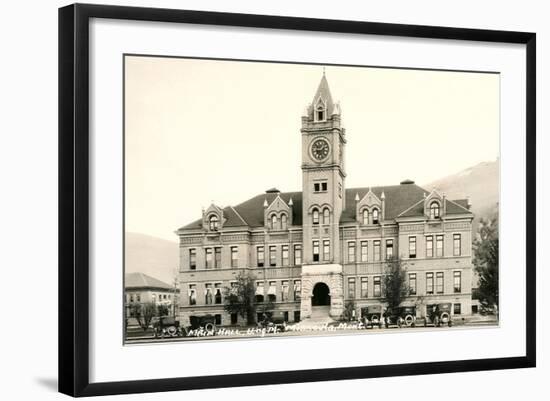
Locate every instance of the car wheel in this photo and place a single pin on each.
(409, 320)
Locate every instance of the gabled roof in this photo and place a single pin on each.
(140, 280)
(408, 198)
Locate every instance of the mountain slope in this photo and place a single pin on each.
(480, 183)
(153, 256)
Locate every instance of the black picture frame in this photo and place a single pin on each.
(74, 193)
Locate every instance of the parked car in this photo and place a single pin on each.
(400, 316)
(438, 314)
(206, 322)
(273, 322)
(372, 316)
(167, 326)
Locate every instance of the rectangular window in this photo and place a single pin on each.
(218, 254)
(297, 290)
(234, 318)
(364, 287)
(364, 251)
(389, 248)
(457, 309)
(316, 187)
(209, 261)
(192, 294)
(439, 282)
(377, 291)
(284, 255)
(284, 290)
(326, 250)
(376, 245)
(296, 315)
(218, 293)
(285, 316)
(351, 287)
(351, 252)
(315, 251)
(439, 246)
(208, 297)
(430, 246)
(192, 259)
(272, 256)
(272, 291)
(412, 247)
(218, 319)
(324, 186)
(412, 283)
(234, 256)
(429, 283)
(456, 245)
(138, 298)
(297, 254)
(457, 282)
(260, 256)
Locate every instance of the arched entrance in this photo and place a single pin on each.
(321, 295)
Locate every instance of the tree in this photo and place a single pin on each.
(241, 299)
(349, 308)
(394, 283)
(486, 262)
(144, 314)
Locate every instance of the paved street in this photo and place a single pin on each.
(344, 328)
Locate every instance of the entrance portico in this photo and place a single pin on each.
(322, 284)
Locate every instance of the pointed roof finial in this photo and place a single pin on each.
(290, 202)
(356, 197)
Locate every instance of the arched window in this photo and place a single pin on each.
(366, 216)
(274, 222)
(326, 216)
(434, 210)
(283, 222)
(375, 218)
(315, 217)
(213, 223)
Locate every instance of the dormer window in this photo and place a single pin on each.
(283, 222)
(365, 217)
(213, 223)
(320, 113)
(375, 218)
(434, 210)
(273, 222)
(315, 217)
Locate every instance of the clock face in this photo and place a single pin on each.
(320, 149)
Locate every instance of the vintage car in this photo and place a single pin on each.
(438, 314)
(372, 316)
(399, 316)
(167, 326)
(206, 322)
(273, 322)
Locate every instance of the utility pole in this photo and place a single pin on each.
(174, 297)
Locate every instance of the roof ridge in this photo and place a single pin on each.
(460, 206)
(239, 215)
(409, 208)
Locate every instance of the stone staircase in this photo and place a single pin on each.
(319, 317)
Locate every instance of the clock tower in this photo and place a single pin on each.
(323, 192)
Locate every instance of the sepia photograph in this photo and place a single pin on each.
(270, 199)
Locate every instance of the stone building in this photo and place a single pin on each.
(139, 288)
(315, 250)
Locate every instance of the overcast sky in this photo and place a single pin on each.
(202, 131)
